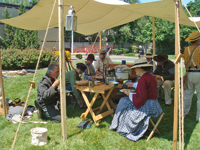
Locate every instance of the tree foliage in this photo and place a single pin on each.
(19, 38)
(194, 8)
(21, 2)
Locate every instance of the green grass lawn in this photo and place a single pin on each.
(100, 137)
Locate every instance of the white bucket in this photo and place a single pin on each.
(39, 136)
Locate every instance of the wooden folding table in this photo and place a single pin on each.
(100, 89)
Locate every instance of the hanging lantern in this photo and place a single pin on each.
(71, 20)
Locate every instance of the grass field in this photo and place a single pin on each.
(94, 138)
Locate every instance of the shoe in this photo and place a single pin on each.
(168, 104)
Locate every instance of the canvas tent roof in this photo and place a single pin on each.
(97, 15)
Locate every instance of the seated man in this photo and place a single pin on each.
(101, 61)
(89, 72)
(48, 95)
(71, 77)
(149, 60)
(164, 74)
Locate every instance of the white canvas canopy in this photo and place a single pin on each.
(97, 15)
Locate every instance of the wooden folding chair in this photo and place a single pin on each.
(155, 126)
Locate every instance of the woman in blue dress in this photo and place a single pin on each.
(132, 115)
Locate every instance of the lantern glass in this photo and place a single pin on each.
(71, 23)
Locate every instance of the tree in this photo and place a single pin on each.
(164, 35)
(9, 32)
(194, 8)
(19, 38)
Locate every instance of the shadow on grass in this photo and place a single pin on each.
(75, 133)
(190, 121)
(165, 127)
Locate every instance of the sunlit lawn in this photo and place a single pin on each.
(94, 137)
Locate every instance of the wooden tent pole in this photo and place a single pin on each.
(100, 40)
(62, 69)
(154, 51)
(176, 85)
(2, 89)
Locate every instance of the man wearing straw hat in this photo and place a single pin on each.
(149, 60)
(164, 75)
(101, 61)
(192, 65)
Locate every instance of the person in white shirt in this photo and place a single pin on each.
(101, 61)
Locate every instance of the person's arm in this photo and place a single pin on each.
(141, 94)
(96, 66)
(170, 76)
(46, 92)
(75, 91)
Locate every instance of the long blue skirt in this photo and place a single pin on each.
(131, 122)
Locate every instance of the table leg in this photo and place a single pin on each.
(105, 100)
(89, 105)
(107, 105)
(84, 115)
(114, 106)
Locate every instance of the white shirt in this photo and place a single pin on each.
(98, 65)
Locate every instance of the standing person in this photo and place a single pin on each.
(132, 115)
(101, 61)
(141, 52)
(108, 49)
(89, 72)
(70, 78)
(86, 51)
(47, 94)
(193, 68)
(164, 75)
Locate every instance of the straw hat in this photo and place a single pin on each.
(160, 58)
(194, 36)
(148, 55)
(141, 63)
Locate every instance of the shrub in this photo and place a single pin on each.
(130, 54)
(19, 59)
(79, 56)
(135, 49)
(150, 50)
(118, 52)
(125, 51)
(130, 49)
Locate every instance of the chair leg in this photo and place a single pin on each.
(155, 127)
